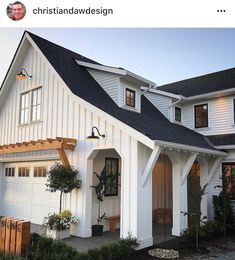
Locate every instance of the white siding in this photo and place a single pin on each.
(123, 86)
(108, 81)
(162, 103)
(220, 116)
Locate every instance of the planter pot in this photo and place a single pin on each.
(97, 230)
(55, 234)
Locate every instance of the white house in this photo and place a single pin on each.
(153, 136)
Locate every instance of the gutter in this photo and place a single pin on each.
(189, 148)
(227, 147)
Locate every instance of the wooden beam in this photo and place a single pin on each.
(187, 167)
(39, 145)
(213, 169)
(150, 164)
(63, 157)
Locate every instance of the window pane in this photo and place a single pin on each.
(130, 97)
(201, 116)
(111, 170)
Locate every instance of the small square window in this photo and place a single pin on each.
(178, 114)
(40, 172)
(130, 97)
(9, 172)
(23, 172)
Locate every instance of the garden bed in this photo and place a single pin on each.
(214, 247)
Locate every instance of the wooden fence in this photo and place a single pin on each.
(14, 236)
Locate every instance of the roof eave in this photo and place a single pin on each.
(189, 148)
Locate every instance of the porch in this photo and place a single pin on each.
(161, 233)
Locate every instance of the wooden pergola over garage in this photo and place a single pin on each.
(59, 143)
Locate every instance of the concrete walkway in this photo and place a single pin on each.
(161, 233)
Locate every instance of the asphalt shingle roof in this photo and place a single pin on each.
(219, 140)
(149, 122)
(212, 82)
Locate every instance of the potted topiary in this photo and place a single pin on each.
(103, 179)
(62, 179)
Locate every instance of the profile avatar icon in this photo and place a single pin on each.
(16, 11)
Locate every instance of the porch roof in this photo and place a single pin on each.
(222, 141)
(150, 122)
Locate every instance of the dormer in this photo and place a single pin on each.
(123, 86)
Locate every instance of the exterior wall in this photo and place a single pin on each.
(110, 205)
(220, 115)
(109, 82)
(162, 103)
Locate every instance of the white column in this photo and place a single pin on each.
(203, 182)
(136, 206)
(1, 179)
(180, 202)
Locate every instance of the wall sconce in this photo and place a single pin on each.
(93, 136)
(23, 74)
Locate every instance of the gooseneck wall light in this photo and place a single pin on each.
(93, 136)
(23, 74)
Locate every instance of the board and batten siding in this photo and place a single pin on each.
(162, 103)
(109, 82)
(66, 115)
(220, 116)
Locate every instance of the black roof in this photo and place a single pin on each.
(212, 82)
(150, 122)
(219, 140)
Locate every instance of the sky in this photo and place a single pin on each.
(160, 55)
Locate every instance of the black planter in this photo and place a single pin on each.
(97, 230)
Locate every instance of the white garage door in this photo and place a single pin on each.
(23, 191)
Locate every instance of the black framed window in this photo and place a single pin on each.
(10, 172)
(234, 111)
(130, 97)
(111, 171)
(178, 114)
(201, 115)
(228, 171)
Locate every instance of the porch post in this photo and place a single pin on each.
(1, 178)
(136, 208)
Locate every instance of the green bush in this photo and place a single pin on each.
(205, 232)
(49, 249)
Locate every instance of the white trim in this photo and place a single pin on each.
(119, 71)
(229, 147)
(188, 148)
(162, 93)
(29, 159)
(102, 67)
(150, 164)
(187, 167)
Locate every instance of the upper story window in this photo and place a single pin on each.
(130, 97)
(178, 114)
(201, 115)
(30, 106)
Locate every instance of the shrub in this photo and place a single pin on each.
(49, 249)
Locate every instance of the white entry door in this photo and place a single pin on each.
(23, 191)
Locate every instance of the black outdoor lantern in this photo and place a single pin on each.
(93, 136)
(23, 74)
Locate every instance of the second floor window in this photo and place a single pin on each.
(130, 97)
(178, 114)
(30, 106)
(201, 115)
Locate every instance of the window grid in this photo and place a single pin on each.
(178, 114)
(10, 172)
(36, 105)
(39, 172)
(23, 172)
(228, 171)
(24, 108)
(130, 97)
(111, 169)
(201, 115)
